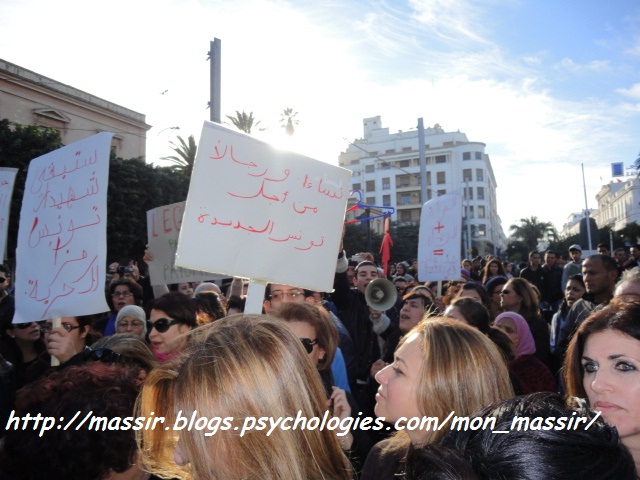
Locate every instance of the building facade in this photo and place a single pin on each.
(32, 99)
(386, 170)
(618, 204)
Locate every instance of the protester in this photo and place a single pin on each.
(574, 291)
(533, 375)
(441, 365)
(241, 366)
(602, 364)
(493, 269)
(132, 319)
(574, 453)
(170, 317)
(79, 452)
(121, 293)
(519, 296)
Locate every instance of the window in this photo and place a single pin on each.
(357, 186)
(469, 195)
(442, 192)
(466, 174)
(466, 155)
(478, 155)
(389, 151)
(402, 181)
(405, 215)
(369, 168)
(403, 163)
(405, 199)
(470, 213)
(386, 184)
(428, 178)
(480, 193)
(481, 211)
(371, 185)
(406, 149)
(441, 159)
(479, 174)
(482, 230)
(440, 178)
(370, 200)
(355, 162)
(386, 200)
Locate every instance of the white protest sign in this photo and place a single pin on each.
(257, 212)
(7, 180)
(62, 246)
(440, 238)
(163, 229)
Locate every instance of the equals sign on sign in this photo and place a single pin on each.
(438, 252)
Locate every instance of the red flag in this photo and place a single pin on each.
(385, 248)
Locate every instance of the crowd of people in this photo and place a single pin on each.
(545, 340)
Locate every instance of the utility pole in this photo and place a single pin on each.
(423, 162)
(215, 51)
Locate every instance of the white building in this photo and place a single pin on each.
(572, 227)
(618, 204)
(386, 170)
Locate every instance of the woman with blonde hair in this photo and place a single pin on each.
(440, 366)
(235, 371)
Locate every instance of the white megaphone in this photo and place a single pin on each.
(381, 294)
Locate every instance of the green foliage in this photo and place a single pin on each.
(244, 122)
(134, 188)
(287, 117)
(19, 144)
(185, 155)
(531, 231)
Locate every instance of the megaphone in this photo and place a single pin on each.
(381, 294)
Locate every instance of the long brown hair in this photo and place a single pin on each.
(241, 366)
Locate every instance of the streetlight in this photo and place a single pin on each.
(168, 128)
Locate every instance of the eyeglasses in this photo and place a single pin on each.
(161, 325)
(122, 294)
(104, 355)
(132, 324)
(23, 326)
(308, 344)
(47, 327)
(278, 296)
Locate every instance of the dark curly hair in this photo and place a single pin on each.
(107, 390)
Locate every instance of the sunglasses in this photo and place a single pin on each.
(308, 344)
(104, 355)
(2, 279)
(47, 327)
(23, 326)
(161, 325)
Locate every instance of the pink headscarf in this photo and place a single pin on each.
(526, 345)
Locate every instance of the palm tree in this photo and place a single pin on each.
(630, 232)
(244, 122)
(531, 231)
(186, 155)
(287, 116)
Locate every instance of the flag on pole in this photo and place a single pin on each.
(385, 248)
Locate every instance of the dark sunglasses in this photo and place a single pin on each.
(2, 279)
(23, 326)
(161, 325)
(308, 344)
(104, 355)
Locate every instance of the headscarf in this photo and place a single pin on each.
(133, 311)
(526, 345)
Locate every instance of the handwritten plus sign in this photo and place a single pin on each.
(439, 227)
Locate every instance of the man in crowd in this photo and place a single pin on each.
(599, 273)
(574, 266)
(533, 272)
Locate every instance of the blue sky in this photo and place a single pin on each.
(546, 84)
